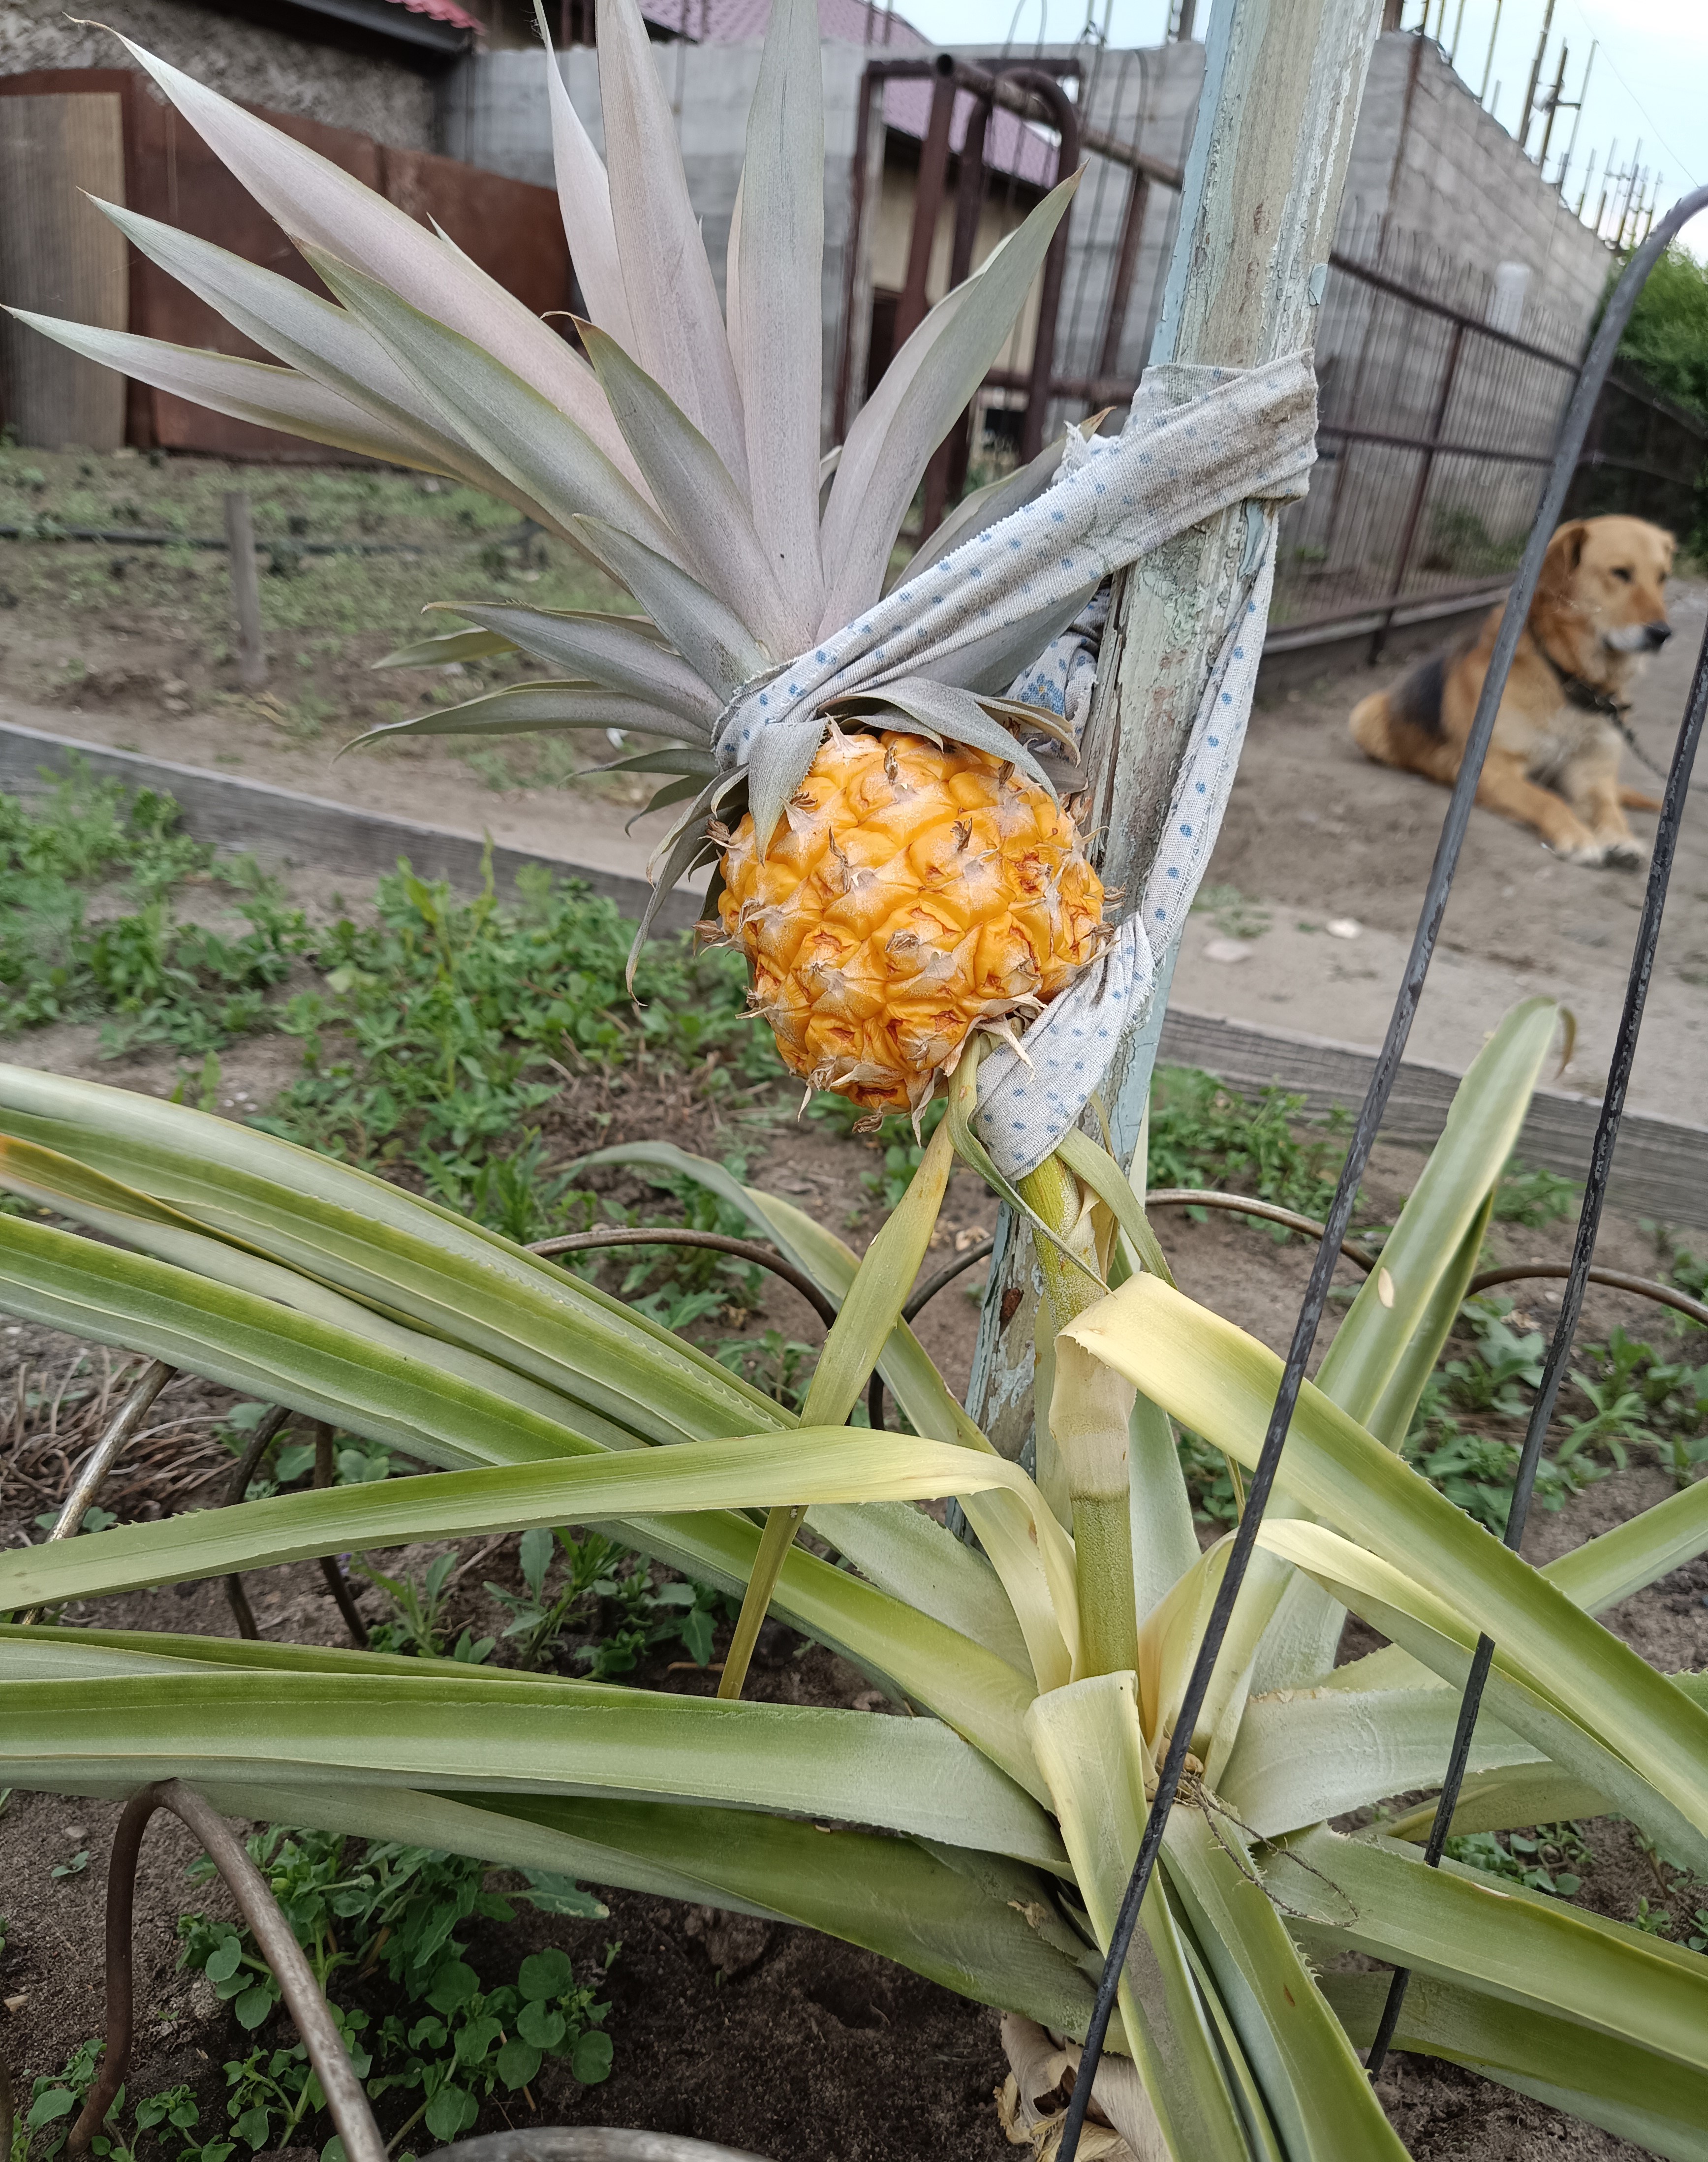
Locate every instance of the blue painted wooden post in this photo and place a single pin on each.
(1263, 182)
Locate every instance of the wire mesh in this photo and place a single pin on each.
(1573, 429)
(1438, 416)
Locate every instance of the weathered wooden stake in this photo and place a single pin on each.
(1264, 178)
(246, 590)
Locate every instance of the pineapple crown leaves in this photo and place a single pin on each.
(679, 447)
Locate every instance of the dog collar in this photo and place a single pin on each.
(1590, 698)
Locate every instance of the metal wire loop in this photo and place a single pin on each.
(308, 2007)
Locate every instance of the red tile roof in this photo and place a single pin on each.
(441, 11)
(1010, 146)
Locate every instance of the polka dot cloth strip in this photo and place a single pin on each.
(1197, 439)
(1024, 1109)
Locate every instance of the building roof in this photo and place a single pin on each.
(1011, 144)
(441, 11)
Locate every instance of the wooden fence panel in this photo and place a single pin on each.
(158, 164)
(59, 256)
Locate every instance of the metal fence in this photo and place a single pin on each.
(1644, 456)
(1550, 499)
(1088, 344)
(1439, 405)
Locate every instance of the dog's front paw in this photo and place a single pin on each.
(1624, 855)
(1590, 854)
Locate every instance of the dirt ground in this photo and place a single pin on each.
(1316, 835)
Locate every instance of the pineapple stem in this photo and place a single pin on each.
(775, 1542)
(1089, 1413)
(1103, 1577)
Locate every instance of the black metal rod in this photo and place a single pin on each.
(1666, 842)
(1573, 429)
(331, 1568)
(236, 1597)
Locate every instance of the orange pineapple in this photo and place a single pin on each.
(914, 892)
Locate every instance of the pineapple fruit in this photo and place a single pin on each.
(916, 891)
(921, 878)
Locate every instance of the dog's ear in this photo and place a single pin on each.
(1569, 541)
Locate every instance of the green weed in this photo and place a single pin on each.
(415, 1625)
(442, 1025)
(1550, 1858)
(1236, 915)
(444, 2040)
(1202, 1134)
(1534, 1198)
(173, 2116)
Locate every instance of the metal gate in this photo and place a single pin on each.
(1065, 109)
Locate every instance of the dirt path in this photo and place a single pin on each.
(1317, 834)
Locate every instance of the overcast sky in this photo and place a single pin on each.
(1649, 83)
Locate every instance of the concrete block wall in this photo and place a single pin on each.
(1459, 180)
(381, 98)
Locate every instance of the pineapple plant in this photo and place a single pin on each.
(894, 854)
(679, 448)
(986, 1841)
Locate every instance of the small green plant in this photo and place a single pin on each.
(1202, 1134)
(74, 1866)
(416, 1624)
(1504, 1365)
(445, 1022)
(1534, 1198)
(1550, 1857)
(539, 1618)
(173, 2116)
(772, 1362)
(1237, 915)
(444, 2040)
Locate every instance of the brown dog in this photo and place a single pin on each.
(1553, 761)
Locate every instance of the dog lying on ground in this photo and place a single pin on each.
(1554, 761)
